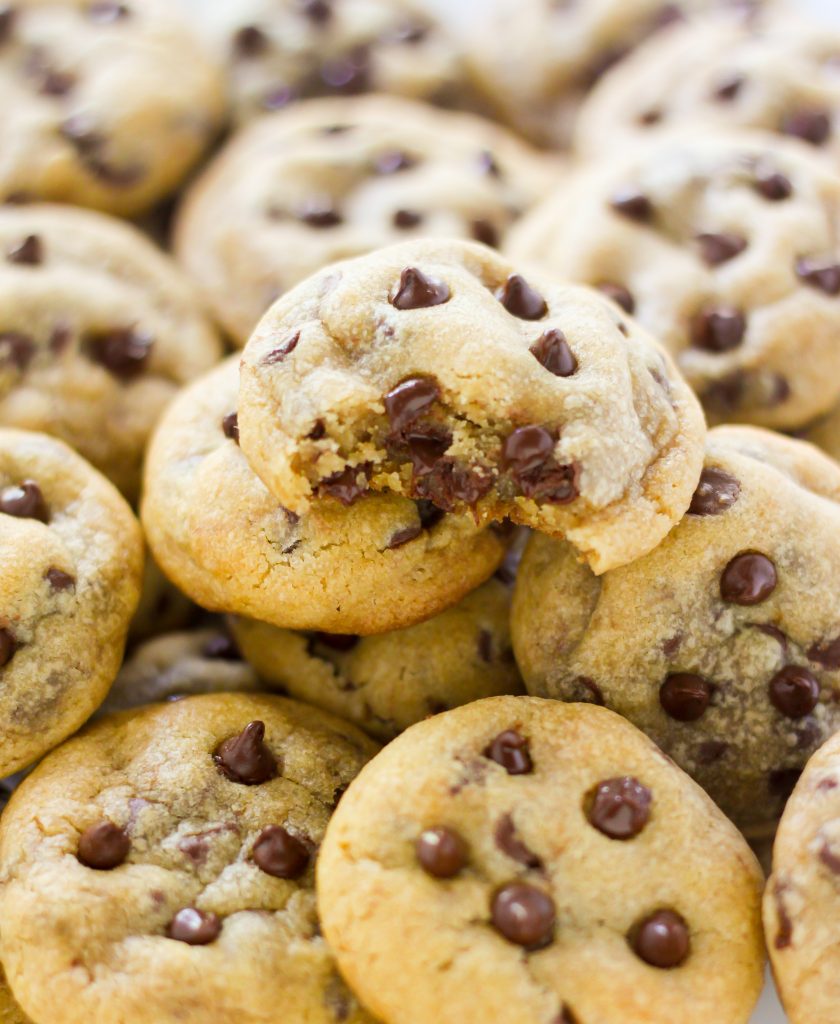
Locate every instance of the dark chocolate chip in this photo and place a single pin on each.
(794, 691)
(425, 447)
(417, 291)
(279, 853)
(650, 117)
(195, 927)
(250, 41)
(773, 185)
(512, 751)
(16, 348)
(347, 486)
(512, 846)
(449, 485)
(406, 219)
(662, 940)
(716, 492)
(552, 351)
(441, 852)
(520, 299)
(748, 579)
(318, 431)
(56, 83)
(319, 213)
(221, 647)
(633, 204)
(8, 646)
(392, 161)
(485, 231)
(821, 274)
(685, 696)
(245, 758)
(527, 449)
(718, 329)
(25, 501)
(124, 351)
(721, 247)
(728, 88)
(809, 124)
(409, 400)
(620, 807)
(620, 295)
(404, 536)
(30, 251)
(711, 751)
(827, 655)
(524, 915)
(103, 846)
(60, 338)
(485, 646)
(278, 354)
(59, 580)
(567, 1016)
(230, 426)
(317, 11)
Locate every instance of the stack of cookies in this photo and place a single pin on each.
(421, 600)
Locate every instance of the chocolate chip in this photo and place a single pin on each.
(829, 857)
(811, 125)
(448, 484)
(650, 117)
(430, 514)
(317, 11)
(409, 400)
(487, 164)
(716, 492)
(718, 329)
(512, 751)
(406, 219)
(620, 807)
(524, 915)
(277, 355)
(319, 213)
(720, 248)
(662, 940)
(59, 580)
(230, 426)
(103, 846)
(60, 338)
(485, 231)
(620, 295)
(729, 88)
(8, 646)
(347, 486)
(827, 655)
(822, 274)
(250, 41)
(416, 291)
(527, 450)
(404, 536)
(16, 348)
(124, 351)
(318, 431)
(441, 852)
(348, 74)
(511, 845)
(485, 646)
(24, 501)
(711, 751)
(520, 299)
(748, 579)
(29, 252)
(392, 161)
(108, 11)
(566, 1016)
(221, 647)
(279, 853)
(794, 691)
(56, 83)
(425, 447)
(551, 350)
(773, 186)
(195, 927)
(245, 758)
(685, 696)
(633, 204)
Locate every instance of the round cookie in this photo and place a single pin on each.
(802, 898)
(98, 329)
(722, 643)
(160, 866)
(335, 178)
(779, 73)
(435, 370)
(108, 104)
(511, 845)
(70, 562)
(726, 248)
(386, 683)
(215, 530)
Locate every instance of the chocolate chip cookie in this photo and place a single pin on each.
(98, 329)
(386, 683)
(726, 248)
(71, 556)
(335, 178)
(521, 848)
(108, 103)
(436, 370)
(162, 864)
(722, 644)
(224, 539)
(802, 900)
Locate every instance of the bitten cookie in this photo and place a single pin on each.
(107, 103)
(98, 329)
(726, 248)
(384, 563)
(521, 849)
(802, 899)
(335, 178)
(70, 561)
(722, 644)
(386, 683)
(160, 866)
(434, 369)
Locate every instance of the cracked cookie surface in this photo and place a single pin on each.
(160, 866)
(509, 845)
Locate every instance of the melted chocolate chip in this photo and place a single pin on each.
(245, 758)
(250, 41)
(347, 486)
(485, 231)
(821, 274)
(404, 536)
(524, 915)
(417, 291)
(773, 185)
(685, 696)
(662, 940)
(409, 400)
(448, 484)
(650, 117)
(718, 330)
(318, 12)
(392, 161)
(16, 348)
(103, 846)
(716, 492)
(406, 219)
(633, 204)
(29, 251)
(221, 647)
(279, 853)
(510, 844)
(827, 655)
(59, 580)
(512, 751)
(748, 579)
(230, 426)
(711, 751)
(24, 501)
(809, 124)
(720, 248)
(794, 691)
(8, 646)
(441, 852)
(520, 299)
(729, 88)
(620, 807)
(620, 295)
(195, 927)
(124, 351)
(527, 449)
(285, 348)
(551, 350)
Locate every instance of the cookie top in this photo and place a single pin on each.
(435, 370)
(98, 329)
(726, 247)
(730, 659)
(225, 540)
(335, 178)
(780, 74)
(165, 859)
(108, 104)
(802, 900)
(510, 845)
(70, 579)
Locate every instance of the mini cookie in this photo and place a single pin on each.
(162, 863)
(802, 899)
(107, 104)
(216, 531)
(331, 179)
(722, 644)
(98, 329)
(780, 74)
(71, 556)
(435, 370)
(522, 848)
(386, 683)
(163, 608)
(726, 248)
